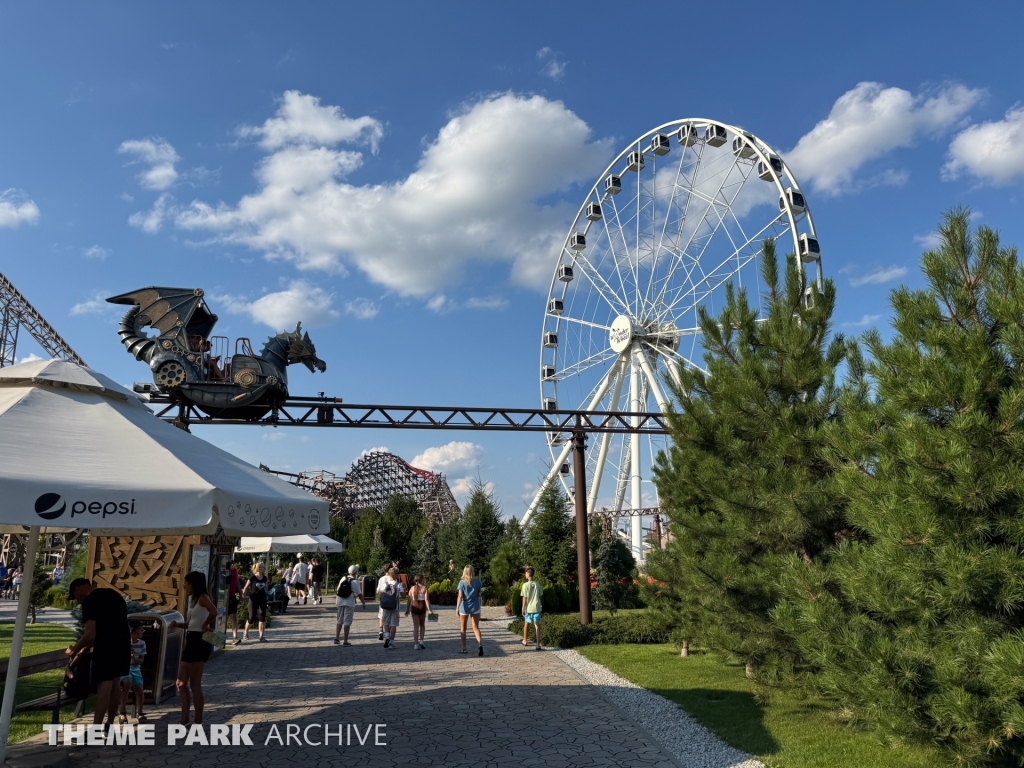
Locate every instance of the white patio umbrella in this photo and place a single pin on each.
(78, 450)
(300, 543)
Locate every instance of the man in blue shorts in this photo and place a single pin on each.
(532, 606)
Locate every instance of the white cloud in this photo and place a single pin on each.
(300, 302)
(96, 252)
(462, 487)
(993, 151)
(16, 209)
(449, 458)
(96, 305)
(302, 121)
(554, 67)
(868, 122)
(877, 276)
(441, 303)
(159, 155)
(930, 241)
(486, 302)
(150, 221)
(475, 196)
(31, 357)
(865, 321)
(362, 309)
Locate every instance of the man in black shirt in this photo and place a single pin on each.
(317, 571)
(105, 622)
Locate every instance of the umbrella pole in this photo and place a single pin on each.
(24, 601)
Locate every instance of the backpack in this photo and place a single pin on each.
(389, 597)
(345, 587)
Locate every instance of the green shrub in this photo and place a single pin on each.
(56, 597)
(515, 596)
(565, 631)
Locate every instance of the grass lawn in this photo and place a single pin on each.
(786, 732)
(39, 638)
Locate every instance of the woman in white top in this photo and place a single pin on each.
(201, 615)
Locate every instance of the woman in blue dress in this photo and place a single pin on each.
(468, 606)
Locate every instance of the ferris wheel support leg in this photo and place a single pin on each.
(636, 522)
(602, 390)
(652, 379)
(606, 438)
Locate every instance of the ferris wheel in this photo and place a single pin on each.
(680, 213)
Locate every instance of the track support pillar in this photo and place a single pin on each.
(579, 446)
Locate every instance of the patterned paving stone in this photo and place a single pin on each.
(512, 707)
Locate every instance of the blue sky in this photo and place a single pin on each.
(395, 176)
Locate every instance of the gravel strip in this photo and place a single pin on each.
(689, 742)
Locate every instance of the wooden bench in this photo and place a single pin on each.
(44, 662)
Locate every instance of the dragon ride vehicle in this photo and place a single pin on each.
(191, 365)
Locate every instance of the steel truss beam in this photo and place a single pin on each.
(17, 311)
(328, 412)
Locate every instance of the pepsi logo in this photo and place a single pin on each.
(50, 506)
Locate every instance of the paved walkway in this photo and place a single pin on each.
(513, 707)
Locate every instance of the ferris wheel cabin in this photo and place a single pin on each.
(660, 144)
(687, 135)
(809, 249)
(715, 135)
(796, 201)
(613, 185)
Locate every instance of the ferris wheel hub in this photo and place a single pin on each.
(621, 334)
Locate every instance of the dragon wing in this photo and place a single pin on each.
(173, 312)
(167, 310)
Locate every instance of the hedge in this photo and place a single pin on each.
(565, 631)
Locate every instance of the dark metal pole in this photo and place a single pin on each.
(579, 444)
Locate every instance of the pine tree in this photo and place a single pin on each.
(402, 524)
(427, 561)
(916, 625)
(481, 532)
(744, 482)
(551, 537)
(449, 547)
(613, 564)
(41, 582)
(359, 541)
(379, 558)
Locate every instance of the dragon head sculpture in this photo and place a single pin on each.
(301, 350)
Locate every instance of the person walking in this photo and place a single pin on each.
(468, 607)
(234, 590)
(300, 574)
(316, 574)
(419, 606)
(348, 591)
(105, 630)
(200, 615)
(134, 677)
(289, 577)
(390, 590)
(532, 606)
(256, 591)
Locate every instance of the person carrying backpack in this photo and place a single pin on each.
(348, 591)
(390, 589)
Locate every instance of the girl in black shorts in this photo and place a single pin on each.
(256, 589)
(201, 616)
